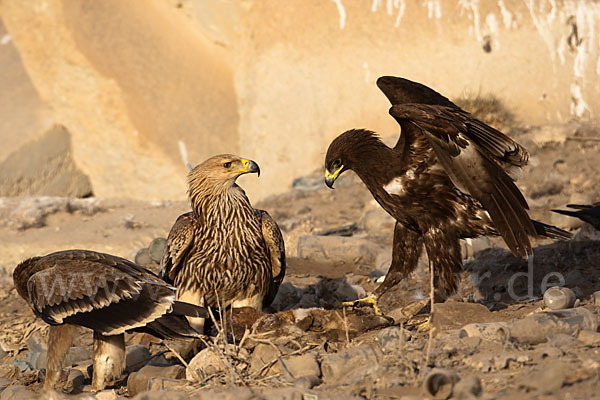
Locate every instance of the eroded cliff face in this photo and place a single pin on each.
(136, 85)
(145, 86)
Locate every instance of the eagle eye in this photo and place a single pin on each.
(336, 164)
(227, 164)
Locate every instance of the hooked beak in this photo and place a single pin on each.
(330, 178)
(249, 166)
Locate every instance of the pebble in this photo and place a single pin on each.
(162, 383)
(537, 328)
(487, 331)
(75, 381)
(262, 355)
(160, 395)
(559, 298)
(142, 257)
(157, 248)
(300, 366)
(205, 363)
(596, 298)
(138, 381)
(589, 338)
(110, 394)
(136, 357)
(439, 383)
(549, 379)
(467, 388)
(392, 339)
(355, 361)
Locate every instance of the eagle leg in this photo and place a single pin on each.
(405, 256)
(108, 359)
(60, 338)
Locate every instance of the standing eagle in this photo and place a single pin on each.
(449, 177)
(224, 252)
(106, 293)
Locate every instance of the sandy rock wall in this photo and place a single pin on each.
(140, 90)
(145, 86)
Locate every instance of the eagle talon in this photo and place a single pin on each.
(368, 301)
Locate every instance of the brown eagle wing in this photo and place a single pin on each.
(274, 241)
(179, 242)
(102, 292)
(473, 155)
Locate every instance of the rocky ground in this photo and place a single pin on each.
(339, 247)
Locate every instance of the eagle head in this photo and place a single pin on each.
(221, 171)
(347, 151)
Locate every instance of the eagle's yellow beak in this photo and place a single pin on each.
(249, 166)
(330, 178)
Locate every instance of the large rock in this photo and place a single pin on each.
(44, 167)
(337, 249)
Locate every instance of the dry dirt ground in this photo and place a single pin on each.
(339, 244)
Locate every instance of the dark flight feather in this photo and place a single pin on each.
(106, 293)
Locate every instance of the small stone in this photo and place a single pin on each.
(107, 395)
(205, 363)
(467, 388)
(136, 357)
(439, 383)
(549, 379)
(138, 381)
(18, 392)
(75, 381)
(589, 338)
(596, 298)
(23, 365)
(161, 383)
(299, 366)
(157, 248)
(263, 355)
(355, 361)
(307, 382)
(142, 257)
(170, 395)
(392, 339)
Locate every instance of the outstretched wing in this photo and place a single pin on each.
(274, 241)
(179, 242)
(475, 156)
(102, 292)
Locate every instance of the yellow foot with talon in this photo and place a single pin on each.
(423, 326)
(369, 301)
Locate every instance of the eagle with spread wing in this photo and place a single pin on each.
(106, 293)
(450, 176)
(224, 252)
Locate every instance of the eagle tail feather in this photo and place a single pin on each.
(549, 231)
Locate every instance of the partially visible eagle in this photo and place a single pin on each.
(449, 177)
(224, 252)
(589, 213)
(106, 293)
